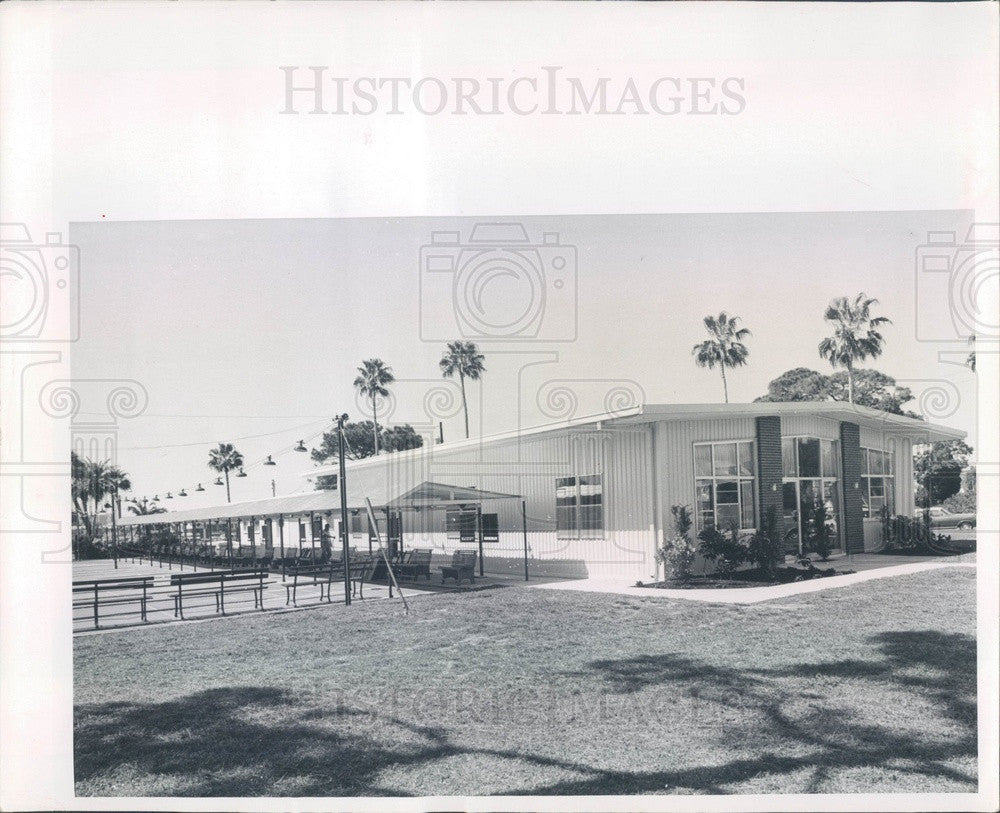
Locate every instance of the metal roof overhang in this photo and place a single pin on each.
(427, 495)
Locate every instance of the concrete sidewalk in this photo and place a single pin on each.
(746, 595)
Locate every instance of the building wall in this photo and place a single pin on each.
(530, 467)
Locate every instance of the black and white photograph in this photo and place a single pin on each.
(510, 406)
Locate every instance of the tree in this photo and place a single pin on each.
(725, 347)
(359, 443)
(965, 501)
(871, 388)
(465, 359)
(937, 469)
(144, 507)
(224, 458)
(856, 336)
(798, 384)
(117, 482)
(372, 382)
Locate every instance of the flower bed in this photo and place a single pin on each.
(748, 578)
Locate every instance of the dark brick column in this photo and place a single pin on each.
(850, 467)
(769, 470)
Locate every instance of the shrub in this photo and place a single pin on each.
(963, 503)
(765, 550)
(726, 551)
(819, 532)
(678, 551)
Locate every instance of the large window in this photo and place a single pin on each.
(579, 507)
(724, 485)
(811, 469)
(878, 476)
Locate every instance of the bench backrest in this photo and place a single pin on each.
(134, 582)
(463, 558)
(217, 576)
(420, 556)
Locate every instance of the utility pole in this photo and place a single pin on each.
(342, 485)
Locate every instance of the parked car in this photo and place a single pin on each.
(943, 518)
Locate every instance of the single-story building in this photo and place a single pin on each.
(593, 495)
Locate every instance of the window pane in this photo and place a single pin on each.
(877, 486)
(747, 504)
(865, 468)
(726, 492)
(832, 498)
(865, 499)
(788, 457)
(746, 460)
(890, 463)
(705, 504)
(828, 452)
(728, 516)
(590, 490)
(591, 520)
(566, 519)
(875, 464)
(725, 459)
(703, 460)
(808, 457)
(890, 497)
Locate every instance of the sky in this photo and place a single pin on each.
(249, 331)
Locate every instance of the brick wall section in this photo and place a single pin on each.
(850, 467)
(769, 470)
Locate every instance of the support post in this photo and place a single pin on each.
(281, 540)
(479, 533)
(229, 542)
(344, 530)
(524, 531)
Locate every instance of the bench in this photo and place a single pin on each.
(218, 585)
(91, 590)
(416, 563)
(463, 565)
(310, 576)
(360, 571)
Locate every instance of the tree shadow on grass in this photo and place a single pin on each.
(938, 667)
(254, 741)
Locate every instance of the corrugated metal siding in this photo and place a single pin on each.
(530, 467)
(811, 426)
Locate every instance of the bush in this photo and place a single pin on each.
(765, 550)
(963, 503)
(678, 551)
(726, 551)
(819, 532)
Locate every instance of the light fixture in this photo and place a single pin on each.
(182, 493)
(107, 505)
(199, 488)
(301, 447)
(218, 481)
(170, 496)
(269, 462)
(156, 498)
(242, 473)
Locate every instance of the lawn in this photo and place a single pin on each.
(869, 688)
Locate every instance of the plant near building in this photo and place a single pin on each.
(726, 551)
(819, 532)
(765, 550)
(677, 553)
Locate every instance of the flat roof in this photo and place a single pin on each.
(918, 430)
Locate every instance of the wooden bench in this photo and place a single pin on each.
(218, 585)
(361, 570)
(463, 564)
(416, 563)
(90, 591)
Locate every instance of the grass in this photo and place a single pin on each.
(869, 688)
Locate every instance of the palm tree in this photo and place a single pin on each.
(144, 507)
(223, 459)
(970, 360)
(465, 359)
(116, 481)
(371, 382)
(725, 347)
(856, 335)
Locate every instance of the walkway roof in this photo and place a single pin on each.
(427, 495)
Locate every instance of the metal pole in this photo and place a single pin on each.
(479, 533)
(524, 530)
(229, 542)
(281, 539)
(342, 482)
(114, 529)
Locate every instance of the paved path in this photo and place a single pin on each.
(749, 595)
